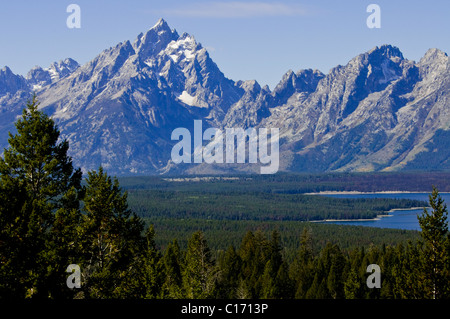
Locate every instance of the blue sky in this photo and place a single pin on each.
(248, 40)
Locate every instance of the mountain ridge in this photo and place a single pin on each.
(379, 112)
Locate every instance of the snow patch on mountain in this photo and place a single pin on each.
(186, 98)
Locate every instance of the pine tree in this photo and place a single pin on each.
(255, 252)
(318, 289)
(200, 275)
(248, 253)
(112, 243)
(271, 283)
(172, 264)
(230, 271)
(302, 269)
(14, 264)
(408, 272)
(153, 267)
(355, 275)
(36, 180)
(352, 285)
(434, 232)
(335, 264)
(64, 245)
(268, 285)
(284, 287)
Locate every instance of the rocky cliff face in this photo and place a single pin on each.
(378, 112)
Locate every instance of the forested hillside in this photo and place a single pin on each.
(418, 181)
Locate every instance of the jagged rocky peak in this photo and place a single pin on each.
(307, 80)
(10, 82)
(108, 62)
(304, 81)
(119, 109)
(249, 86)
(372, 71)
(266, 88)
(6, 72)
(434, 69)
(161, 25)
(286, 82)
(187, 37)
(385, 55)
(434, 61)
(387, 50)
(67, 64)
(155, 39)
(434, 55)
(39, 77)
(379, 58)
(183, 49)
(62, 68)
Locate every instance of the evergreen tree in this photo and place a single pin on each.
(230, 273)
(14, 264)
(200, 275)
(112, 243)
(37, 179)
(434, 232)
(392, 273)
(268, 285)
(318, 289)
(352, 285)
(335, 264)
(355, 275)
(255, 252)
(275, 250)
(64, 246)
(172, 264)
(275, 273)
(409, 272)
(302, 268)
(153, 268)
(284, 286)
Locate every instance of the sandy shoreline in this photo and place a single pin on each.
(350, 220)
(367, 193)
(367, 219)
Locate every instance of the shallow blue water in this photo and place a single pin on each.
(400, 219)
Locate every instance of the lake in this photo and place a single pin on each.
(400, 219)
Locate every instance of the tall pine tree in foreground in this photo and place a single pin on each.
(434, 233)
(43, 228)
(112, 242)
(200, 275)
(172, 265)
(37, 179)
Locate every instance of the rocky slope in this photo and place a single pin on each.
(378, 112)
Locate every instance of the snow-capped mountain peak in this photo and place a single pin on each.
(155, 39)
(379, 111)
(38, 77)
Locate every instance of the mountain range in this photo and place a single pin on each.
(379, 112)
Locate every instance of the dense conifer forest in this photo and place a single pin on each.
(246, 237)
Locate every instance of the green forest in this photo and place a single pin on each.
(153, 238)
(295, 183)
(225, 217)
